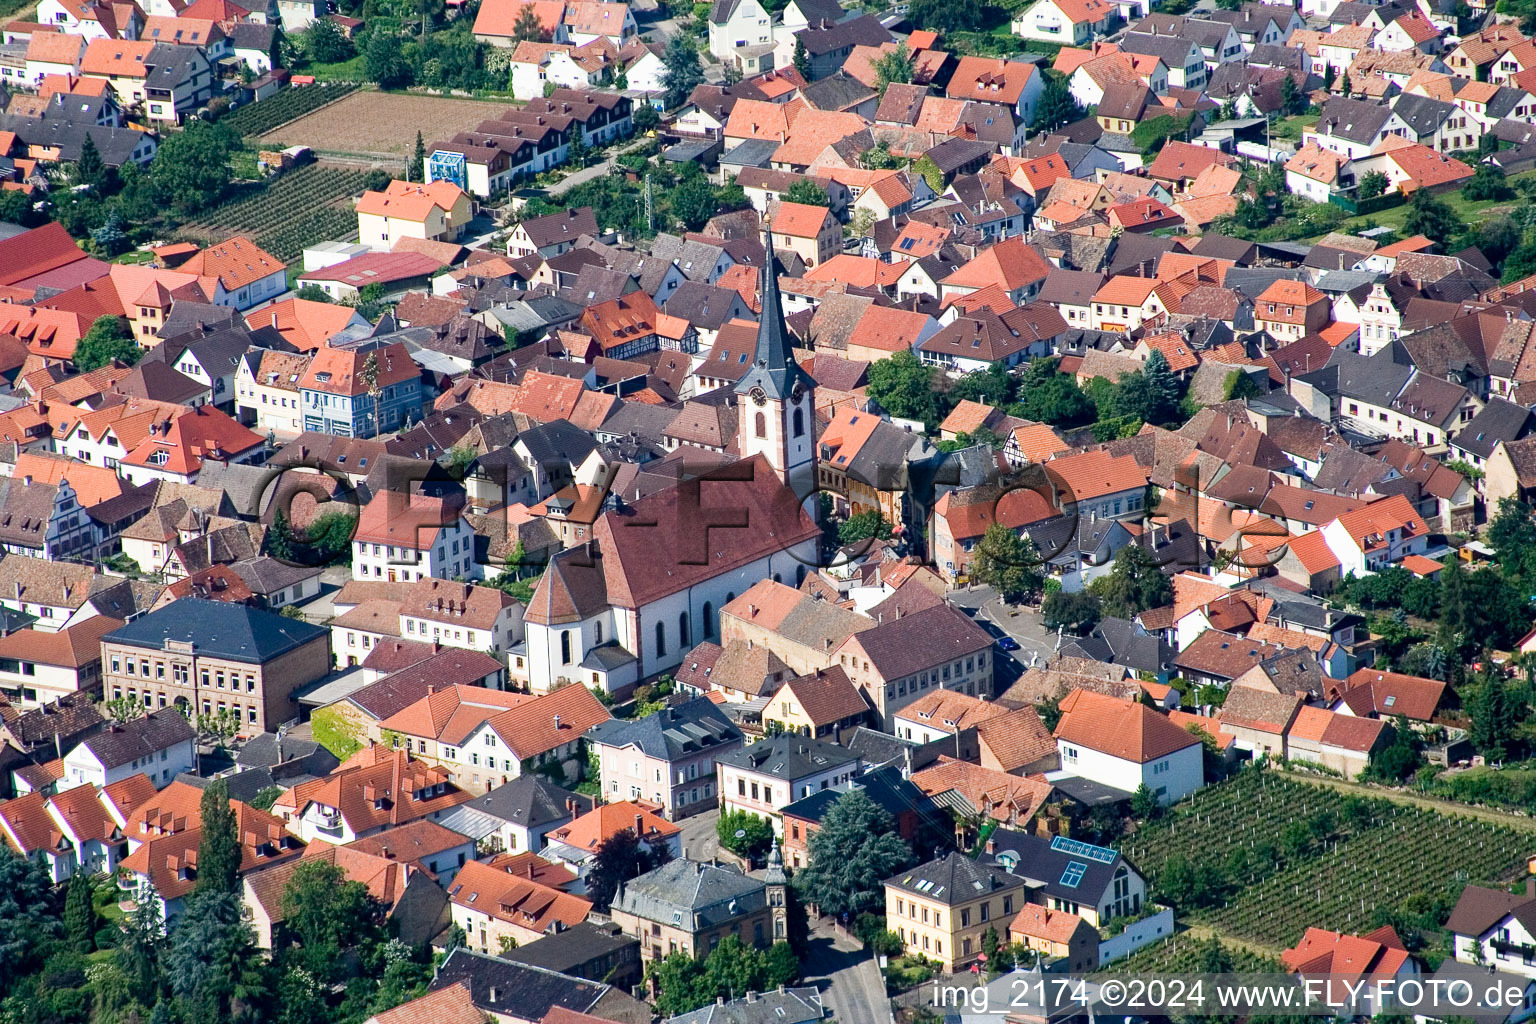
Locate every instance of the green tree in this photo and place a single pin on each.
(191, 168)
(1057, 106)
(1048, 396)
(807, 192)
(903, 386)
(328, 913)
(681, 70)
(419, 159)
(646, 118)
(1007, 562)
(1512, 535)
(89, 169)
(1372, 183)
(851, 855)
(619, 858)
(1494, 715)
(929, 171)
(110, 239)
(680, 984)
(1344, 84)
(141, 945)
(1328, 76)
(313, 293)
(1238, 385)
(384, 61)
(801, 60)
(108, 339)
(783, 966)
(527, 27)
(1162, 391)
(1431, 218)
(577, 153)
(863, 526)
(1488, 182)
(80, 913)
(989, 944)
(878, 158)
(1077, 612)
(1144, 803)
(894, 68)
(947, 15)
(1291, 99)
(29, 919)
(991, 386)
(325, 43)
(756, 837)
(1398, 761)
(1133, 585)
(693, 201)
(17, 208)
(215, 970)
(218, 850)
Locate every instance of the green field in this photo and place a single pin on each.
(294, 210)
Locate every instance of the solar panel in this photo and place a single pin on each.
(1074, 874)
(1104, 855)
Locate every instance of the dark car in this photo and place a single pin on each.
(1008, 643)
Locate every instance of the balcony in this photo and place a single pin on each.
(1514, 951)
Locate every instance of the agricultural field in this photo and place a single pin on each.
(1289, 855)
(288, 105)
(382, 124)
(304, 206)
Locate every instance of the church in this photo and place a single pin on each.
(649, 585)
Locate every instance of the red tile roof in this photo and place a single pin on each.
(1127, 730)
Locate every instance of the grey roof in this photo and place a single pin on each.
(116, 145)
(266, 576)
(1354, 120)
(789, 757)
(519, 990)
(171, 65)
(792, 1006)
(774, 368)
(1120, 642)
(674, 732)
(704, 305)
(1499, 420)
(573, 947)
(1340, 281)
(248, 35)
(953, 878)
(751, 153)
(470, 822)
(1250, 282)
(531, 802)
(122, 742)
(837, 91)
(1377, 379)
(1424, 114)
(1046, 862)
(690, 895)
(1174, 50)
(236, 632)
(557, 441)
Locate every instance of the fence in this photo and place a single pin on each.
(1354, 205)
(1143, 933)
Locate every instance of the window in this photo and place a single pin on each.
(799, 423)
(682, 631)
(565, 647)
(661, 638)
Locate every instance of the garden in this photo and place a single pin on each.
(294, 210)
(1261, 858)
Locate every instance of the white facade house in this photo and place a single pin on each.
(736, 25)
(1126, 745)
(763, 778)
(161, 745)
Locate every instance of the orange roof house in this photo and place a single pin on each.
(604, 821)
(305, 324)
(246, 272)
(496, 22)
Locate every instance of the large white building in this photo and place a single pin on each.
(1125, 745)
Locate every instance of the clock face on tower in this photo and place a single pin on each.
(759, 397)
(798, 393)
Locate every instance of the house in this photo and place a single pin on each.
(1056, 934)
(667, 757)
(247, 275)
(1354, 128)
(943, 713)
(1094, 882)
(1377, 964)
(738, 25)
(1125, 745)
(1073, 22)
(596, 952)
(267, 390)
(551, 234)
(785, 1006)
(818, 704)
(1290, 310)
(361, 391)
(211, 656)
(686, 906)
(1375, 536)
(517, 993)
(504, 902)
(536, 65)
(576, 844)
(762, 778)
(810, 232)
(526, 809)
(1493, 927)
(588, 21)
(39, 666)
(374, 790)
(1316, 172)
(920, 821)
(159, 745)
(901, 658)
(450, 1005)
(1014, 84)
(496, 22)
(941, 909)
(438, 211)
(1371, 692)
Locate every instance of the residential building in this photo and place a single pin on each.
(503, 901)
(688, 907)
(810, 232)
(362, 391)
(438, 212)
(575, 845)
(941, 909)
(821, 704)
(374, 790)
(667, 757)
(412, 537)
(160, 745)
(40, 666)
(1093, 882)
(762, 778)
(902, 658)
(1126, 745)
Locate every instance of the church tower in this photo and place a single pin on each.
(776, 883)
(777, 398)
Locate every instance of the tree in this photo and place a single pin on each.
(989, 944)
(218, 850)
(646, 118)
(783, 965)
(28, 916)
(1238, 385)
(1430, 217)
(419, 160)
(1009, 563)
(212, 962)
(1076, 612)
(851, 855)
(878, 158)
(1144, 803)
(1161, 390)
(1488, 182)
(1135, 584)
(947, 15)
(1290, 96)
(903, 386)
(328, 913)
(681, 70)
(1328, 76)
(110, 239)
(680, 984)
(108, 339)
(1494, 716)
(807, 192)
(325, 43)
(1048, 396)
(80, 913)
(527, 27)
(89, 169)
(17, 208)
(384, 62)
(1398, 761)
(756, 834)
(894, 68)
(191, 168)
(1344, 84)
(1512, 535)
(801, 60)
(619, 858)
(863, 526)
(693, 201)
(1372, 183)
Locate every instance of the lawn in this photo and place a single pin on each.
(1290, 128)
(135, 257)
(350, 70)
(1470, 212)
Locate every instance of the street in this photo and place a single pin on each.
(850, 982)
(698, 835)
(1036, 643)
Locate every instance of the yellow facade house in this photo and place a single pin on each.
(942, 909)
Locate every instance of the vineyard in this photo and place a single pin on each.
(1293, 856)
(288, 105)
(1182, 954)
(297, 209)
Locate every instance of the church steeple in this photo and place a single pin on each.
(774, 368)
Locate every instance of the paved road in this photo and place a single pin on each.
(320, 610)
(598, 170)
(1036, 643)
(698, 835)
(850, 983)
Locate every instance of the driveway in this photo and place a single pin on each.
(850, 982)
(698, 835)
(321, 609)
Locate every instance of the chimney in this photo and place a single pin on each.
(557, 723)
(639, 827)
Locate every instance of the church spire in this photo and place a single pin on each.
(774, 367)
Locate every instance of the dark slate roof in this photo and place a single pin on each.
(886, 787)
(792, 1006)
(953, 878)
(1032, 857)
(680, 730)
(1352, 119)
(1499, 420)
(1119, 642)
(219, 629)
(521, 990)
(788, 757)
(837, 91)
(751, 153)
(530, 801)
(122, 742)
(572, 947)
(1423, 114)
(881, 748)
(691, 895)
(557, 441)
